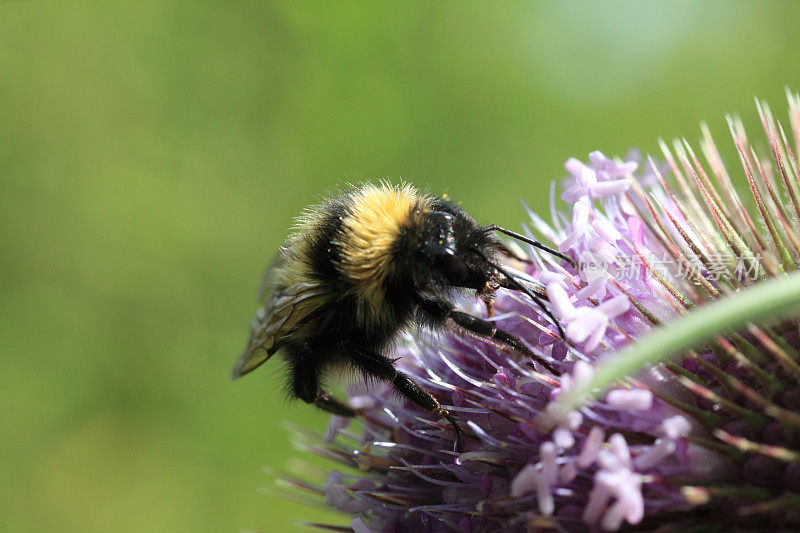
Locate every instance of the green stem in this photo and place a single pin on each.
(762, 302)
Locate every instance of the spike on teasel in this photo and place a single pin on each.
(709, 439)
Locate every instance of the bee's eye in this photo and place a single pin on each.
(452, 267)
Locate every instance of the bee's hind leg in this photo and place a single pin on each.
(327, 402)
(381, 367)
(305, 385)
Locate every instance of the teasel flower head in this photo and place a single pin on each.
(667, 247)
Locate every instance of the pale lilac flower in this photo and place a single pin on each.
(709, 442)
(587, 325)
(608, 169)
(578, 229)
(604, 177)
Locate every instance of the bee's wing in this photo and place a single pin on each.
(285, 311)
(269, 277)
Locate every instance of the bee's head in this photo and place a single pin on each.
(447, 244)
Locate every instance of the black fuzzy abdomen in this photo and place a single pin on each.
(324, 252)
(341, 325)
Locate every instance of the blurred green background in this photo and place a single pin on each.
(153, 154)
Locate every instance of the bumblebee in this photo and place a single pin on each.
(365, 265)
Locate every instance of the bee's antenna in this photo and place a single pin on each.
(521, 287)
(532, 242)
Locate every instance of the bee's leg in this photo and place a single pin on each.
(535, 288)
(513, 280)
(487, 329)
(327, 402)
(443, 310)
(488, 301)
(381, 367)
(305, 386)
